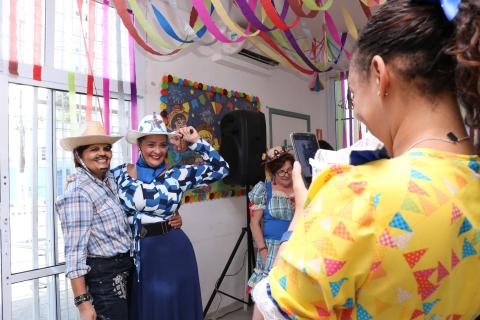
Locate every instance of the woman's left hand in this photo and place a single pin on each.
(175, 221)
(188, 134)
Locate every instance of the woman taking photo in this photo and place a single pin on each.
(271, 211)
(165, 282)
(397, 238)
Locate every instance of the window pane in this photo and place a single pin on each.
(33, 299)
(25, 30)
(30, 178)
(68, 311)
(69, 48)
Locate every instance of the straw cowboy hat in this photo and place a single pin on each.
(94, 133)
(151, 124)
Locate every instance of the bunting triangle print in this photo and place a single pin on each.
(410, 205)
(441, 197)
(362, 314)
(468, 250)
(416, 313)
(427, 307)
(415, 188)
(326, 247)
(283, 282)
(380, 306)
(456, 213)
(415, 174)
(376, 200)
(442, 272)
(454, 260)
(402, 240)
(399, 223)
(333, 266)
(386, 240)
(428, 207)
(335, 286)
(413, 257)
(358, 187)
(403, 295)
(466, 226)
(322, 310)
(461, 182)
(342, 232)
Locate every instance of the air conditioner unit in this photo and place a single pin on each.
(247, 60)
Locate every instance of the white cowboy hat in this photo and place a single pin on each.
(94, 133)
(151, 124)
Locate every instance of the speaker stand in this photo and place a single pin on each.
(250, 261)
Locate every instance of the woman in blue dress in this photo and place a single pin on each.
(165, 283)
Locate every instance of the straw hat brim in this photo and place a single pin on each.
(70, 143)
(133, 136)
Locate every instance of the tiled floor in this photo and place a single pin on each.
(239, 314)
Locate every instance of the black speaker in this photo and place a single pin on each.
(243, 143)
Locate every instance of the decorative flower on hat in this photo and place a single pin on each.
(274, 153)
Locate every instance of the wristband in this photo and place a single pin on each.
(82, 298)
(262, 248)
(286, 235)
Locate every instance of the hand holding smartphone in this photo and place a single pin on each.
(305, 145)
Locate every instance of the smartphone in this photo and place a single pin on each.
(305, 145)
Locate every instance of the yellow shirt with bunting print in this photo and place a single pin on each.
(391, 239)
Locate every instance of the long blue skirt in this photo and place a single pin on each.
(169, 288)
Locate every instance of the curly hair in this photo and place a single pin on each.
(437, 55)
(275, 165)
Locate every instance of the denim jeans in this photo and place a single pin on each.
(107, 282)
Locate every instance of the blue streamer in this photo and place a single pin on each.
(169, 30)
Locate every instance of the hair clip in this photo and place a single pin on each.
(450, 7)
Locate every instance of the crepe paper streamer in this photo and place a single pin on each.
(373, 3)
(366, 10)
(296, 6)
(91, 55)
(124, 15)
(312, 5)
(342, 93)
(349, 23)
(13, 52)
(166, 26)
(37, 40)
(294, 44)
(339, 110)
(149, 29)
(133, 92)
(272, 44)
(72, 102)
(249, 14)
(207, 20)
(332, 28)
(232, 25)
(106, 68)
(206, 196)
(275, 18)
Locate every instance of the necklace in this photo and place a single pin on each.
(451, 138)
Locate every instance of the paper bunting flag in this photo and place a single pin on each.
(316, 84)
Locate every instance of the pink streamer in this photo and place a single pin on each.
(342, 88)
(207, 20)
(332, 28)
(133, 92)
(106, 69)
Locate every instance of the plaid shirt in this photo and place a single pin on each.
(93, 222)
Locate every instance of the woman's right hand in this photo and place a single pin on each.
(87, 311)
(263, 255)
(298, 188)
